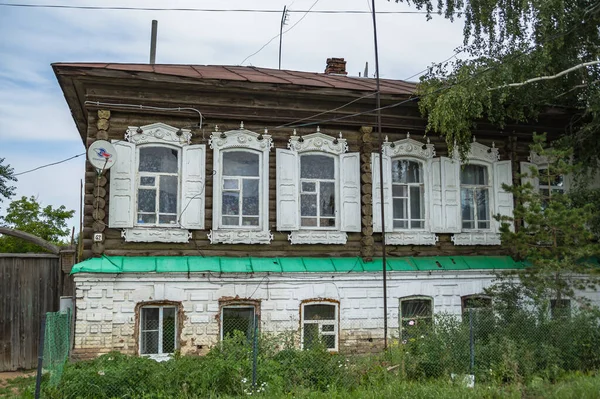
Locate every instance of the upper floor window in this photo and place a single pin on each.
(406, 190)
(475, 197)
(240, 187)
(157, 184)
(546, 181)
(318, 190)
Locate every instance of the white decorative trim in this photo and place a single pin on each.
(318, 142)
(483, 152)
(240, 237)
(317, 237)
(409, 148)
(158, 133)
(241, 138)
(476, 238)
(156, 235)
(539, 160)
(411, 238)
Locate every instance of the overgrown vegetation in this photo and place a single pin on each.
(518, 352)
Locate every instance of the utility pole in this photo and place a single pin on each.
(378, 104)
(153, 41)
(283, 19)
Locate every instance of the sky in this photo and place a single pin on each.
(36, 127)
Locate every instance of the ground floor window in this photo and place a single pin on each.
(320, 325)
(475, 302)
(158, 330)
(415, 316)
(237, 319)
(560, 308)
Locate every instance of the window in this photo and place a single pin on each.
(406, 192)
(240, 187)
(471, 205)
(475, 302)
(237, 319)
(157, 185)
(547, 182)
(158, 330)
(475, 197)
(318, 190)
(549, 185)
(320, 325)
(560, 308)
(416, 313)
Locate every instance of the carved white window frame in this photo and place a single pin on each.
(245, 140)
(481, 155)
(411, 150)
(157, 135)
(542, 162)
(319, 143)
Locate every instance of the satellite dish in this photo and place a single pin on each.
(102, 155)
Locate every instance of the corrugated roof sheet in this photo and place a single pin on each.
(255, 75)
(184, 264)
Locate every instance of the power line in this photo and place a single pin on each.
(280, 34)
(50, 164)
(215, 10)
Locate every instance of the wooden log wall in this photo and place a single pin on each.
(105, 124)
(29, 287)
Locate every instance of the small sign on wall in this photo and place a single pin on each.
(98, 237)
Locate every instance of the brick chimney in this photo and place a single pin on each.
(336, 66)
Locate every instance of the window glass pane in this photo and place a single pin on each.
(547, 179)
(230, 184)
(328, 328)
(317, 167)
(328, 341)
(158, 159)
(311, 335)
(400, 211)
(146, 218)
(483, 208)
(146, 200)
(476, 302)
(309, 222)
(399, 190)
(327, 222)
(231, 221)
(416, 199)
(400, 224)
(240, 163)
(168, 331)
(167, 219)
(404, 171)
(250, 197)
(308, 205)
(327, 198)
(473, 174)
(238, 319)
(319, 312)
(466, 202)
(146, 181)
(250, 221)
(150, 318)
(309, 187)
(231, 203)
(168, 194)
(416, 308)
(149, 342)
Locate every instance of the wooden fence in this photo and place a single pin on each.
(30, 286)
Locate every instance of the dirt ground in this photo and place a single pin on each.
(9, 375)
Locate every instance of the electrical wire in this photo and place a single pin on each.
(212, 10)
(50, 164)
(283, 33)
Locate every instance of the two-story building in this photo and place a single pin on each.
(243, 192)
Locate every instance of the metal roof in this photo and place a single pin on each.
(253, 74)
(185, 264)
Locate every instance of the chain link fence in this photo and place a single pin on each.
(323, 350)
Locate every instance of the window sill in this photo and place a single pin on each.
(411, 238)
(317, 237)
(163, 357)
(240, 237)
(156, 234)
(476, 238)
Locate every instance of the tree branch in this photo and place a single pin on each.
(31, 238)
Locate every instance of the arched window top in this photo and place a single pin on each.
(476, 301)
(409, 148)
(158, 133)
(240, 138)
(481, 153)
(318, 142)
(319, 324)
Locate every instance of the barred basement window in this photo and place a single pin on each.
(236, 320)
(158, 330)
(475, 302)
(416, 314)
(320, 325)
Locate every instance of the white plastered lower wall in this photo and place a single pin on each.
(106, 303)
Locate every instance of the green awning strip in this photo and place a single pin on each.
(185, 264)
